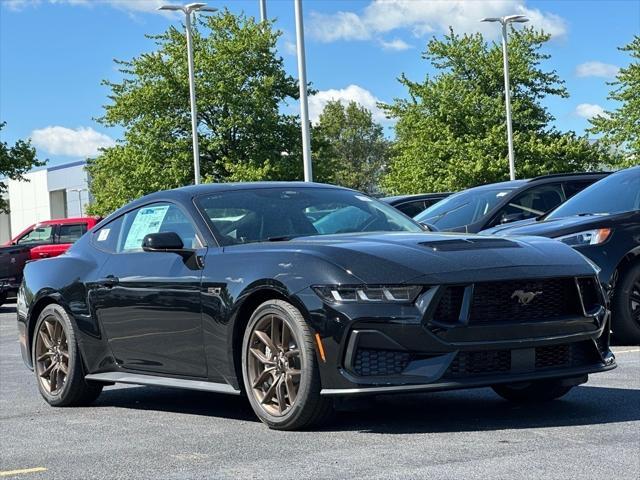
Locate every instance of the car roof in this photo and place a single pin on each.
(416, 196)
(515, 184)
(64, 221)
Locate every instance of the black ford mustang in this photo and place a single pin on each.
(296, 293)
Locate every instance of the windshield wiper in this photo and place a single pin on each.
(283, 238)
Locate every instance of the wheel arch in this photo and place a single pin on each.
(627, 261)
(246, 305)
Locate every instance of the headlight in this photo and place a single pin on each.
(368, 293)
(588, 237)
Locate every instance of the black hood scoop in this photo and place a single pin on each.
(458, 244)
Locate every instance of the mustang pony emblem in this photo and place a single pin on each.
(525, 298)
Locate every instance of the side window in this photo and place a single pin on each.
(159, 217)
(39, 235)
(571, 188)
(107, 237)
(531, 203)
(71, 233)
(412, 209)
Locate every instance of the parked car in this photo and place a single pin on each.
(412, 205)
(42, 240)
(603, 223)
(486, 206)
(234, 289)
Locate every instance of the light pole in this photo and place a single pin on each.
(504, 21)
(188, 10)
(79, 191)
(263, 10)
(304, 103)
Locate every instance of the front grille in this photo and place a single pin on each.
(479, 363)
(449, 305)
(370, 362)
(473, 364)
(524, 300)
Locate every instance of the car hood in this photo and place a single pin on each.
(507, 226)
(442, 258)
(563, 226)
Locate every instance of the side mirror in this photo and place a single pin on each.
(163, 242)
(428, 227)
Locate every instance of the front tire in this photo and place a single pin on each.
(280, 368)
(626, 307)
(57, 362)
(532, 392)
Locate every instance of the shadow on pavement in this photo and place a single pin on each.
(9, 307)
(189, 402)
(460, 411)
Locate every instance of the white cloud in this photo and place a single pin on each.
(422, 17)
(590, 110)
(81, 142)
(397, 44)
(351, 93)
(597, 69)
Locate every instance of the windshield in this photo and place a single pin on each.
(616, 193)
(463, 208)
(276, 214)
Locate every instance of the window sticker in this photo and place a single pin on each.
(148, 220)
(502, 194)
(104, 234)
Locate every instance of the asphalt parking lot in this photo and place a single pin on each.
(144, 432)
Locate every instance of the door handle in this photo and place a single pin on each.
(109, 282)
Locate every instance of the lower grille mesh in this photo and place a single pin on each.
(369, 362)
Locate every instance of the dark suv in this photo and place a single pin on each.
(495, 204)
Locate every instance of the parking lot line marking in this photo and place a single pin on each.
(628, 351)
(8, 473)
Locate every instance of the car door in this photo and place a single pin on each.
(67, 234)
(148, 303)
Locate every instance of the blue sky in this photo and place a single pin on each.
(54, 53)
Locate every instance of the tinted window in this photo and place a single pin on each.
(411, 209)
(279, 213)
(531, 203)
(71, 233)
(159, 217)
(463, 208)
(617, 193)
(571, 188)
(107, 238)
(39, 235)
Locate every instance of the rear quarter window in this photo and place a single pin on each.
(106, 237)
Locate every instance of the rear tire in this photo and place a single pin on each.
(626, 307)
(280, 368)
(532, 392)
(57, 362)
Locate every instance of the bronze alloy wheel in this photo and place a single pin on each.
(274, 364)
(52, 355)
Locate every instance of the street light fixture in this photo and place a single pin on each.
(504, 21)
(188, 10)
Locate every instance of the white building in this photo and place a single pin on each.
(56, 192)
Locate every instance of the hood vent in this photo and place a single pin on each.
(459, 244)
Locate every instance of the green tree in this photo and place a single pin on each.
(241, 86)
(620, 129)
(349, 147)
(451, 131)
(15, 161)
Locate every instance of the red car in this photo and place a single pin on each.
(42, 240)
